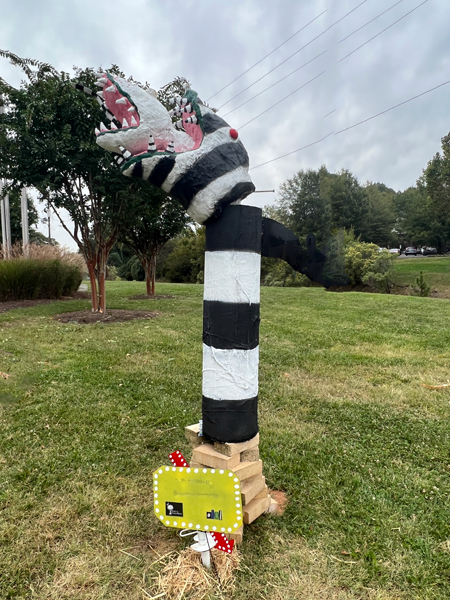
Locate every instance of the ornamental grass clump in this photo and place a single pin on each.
(46, 272)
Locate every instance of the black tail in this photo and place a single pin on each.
(324, 268)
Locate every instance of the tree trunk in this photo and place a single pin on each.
(93, 280)
(101, 274)
(149, 266)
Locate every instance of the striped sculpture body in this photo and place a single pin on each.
(231, 325)
(193, 155)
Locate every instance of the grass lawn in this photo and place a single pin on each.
(360, 448)
(436, 272)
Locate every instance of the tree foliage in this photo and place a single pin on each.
(152, 221)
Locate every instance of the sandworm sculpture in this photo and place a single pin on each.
(197, 158)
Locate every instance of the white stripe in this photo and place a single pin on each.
(230, 374)
(204, 203)
(232, 276)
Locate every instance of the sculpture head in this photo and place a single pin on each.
(189, 152)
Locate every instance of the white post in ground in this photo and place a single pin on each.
(4, 209)
(6, 224)
(25, 230)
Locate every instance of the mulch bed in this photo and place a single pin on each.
(84, 316)
(111, 316)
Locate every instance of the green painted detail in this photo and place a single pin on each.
(192, 96)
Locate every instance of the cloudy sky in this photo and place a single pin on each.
(331, 74)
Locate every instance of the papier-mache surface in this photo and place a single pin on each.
(232, 276)
(230, 374)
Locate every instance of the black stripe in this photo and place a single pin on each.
(239, 228)
(212, 122)
(161, 170)
(230, 325)
(220, 161)
(231, 421)
(239, 192)
(83, 88)
(138, 170)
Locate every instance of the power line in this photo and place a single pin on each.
(307, 63)
(264, 57)
(282, 100)
(355, 125)
(293, 152)
(362, 45)
(382, 31)
(274, 84)
(294, 54)
(392, 107)
(371, 21)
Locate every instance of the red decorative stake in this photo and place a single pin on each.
(222, 542)
(177, 459)
(234, 134)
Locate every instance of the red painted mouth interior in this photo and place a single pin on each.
(123, 110)
(126, 114)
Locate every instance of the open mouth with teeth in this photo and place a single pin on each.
(135, 134)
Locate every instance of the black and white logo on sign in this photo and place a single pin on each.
(174, 509)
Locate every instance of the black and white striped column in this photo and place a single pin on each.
(231, 325)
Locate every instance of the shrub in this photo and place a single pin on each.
(365, 264)
(46, 273)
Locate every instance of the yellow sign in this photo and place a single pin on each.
(203, 499)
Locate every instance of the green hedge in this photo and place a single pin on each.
(29, 279)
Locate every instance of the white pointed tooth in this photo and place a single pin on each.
(133, 121)
(113, 125)
(184, 101)
(171, 113)
(131, 109)
(97, 131)
(151, 144)
(100, 94)
(125, 123)
(178, 99)
(111, 88)
(179, 124)
(171, 147)
(101, 82)
(121, 101)
(103, 127)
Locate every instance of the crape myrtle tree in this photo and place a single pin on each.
(155, 220)
(48, 142)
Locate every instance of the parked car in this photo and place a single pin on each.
(394, 251)
(428, 250)
(410, 250)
